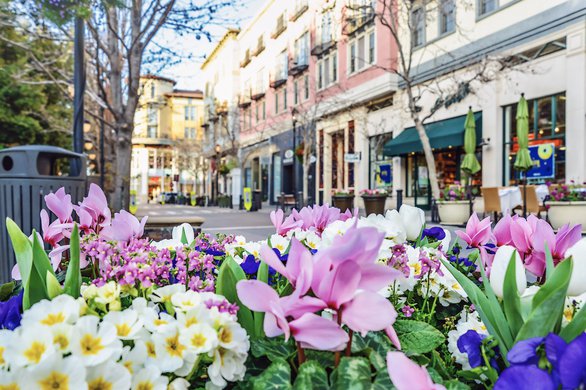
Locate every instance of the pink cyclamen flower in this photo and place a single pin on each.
(407, 375)
(60, 204)
(96, 205)
(502, 231)
(477, 232)
(299, 261)
(124, 227)
(282, 224)
(52, 233)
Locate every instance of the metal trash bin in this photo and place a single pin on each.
(27, 174)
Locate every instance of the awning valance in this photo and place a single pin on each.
(442, 134)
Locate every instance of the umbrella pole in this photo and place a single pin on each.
(524, 180)
(469, 194)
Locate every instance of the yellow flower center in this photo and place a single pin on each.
(55, 381)
(123, 330)
(151, 349)
(569, 313)
(53, 318)
(198, 340)
(128, 366)
(145, 386)
(417, 268)
(91, 345)
(160, 322)
(35, 352)
(10, 386)
(187, 302)
(2, 361)
(99, 384)
(225, 335)
(191, 321)
(61, 340)
(174, 348)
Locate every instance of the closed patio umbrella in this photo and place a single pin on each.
(470, 163)
(523, 160)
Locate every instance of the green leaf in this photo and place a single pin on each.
(261, 275)
(311, 376)
(377, 341)
(377, 361)
(382, 381)
(53, 286)
(455, 384)
(353, 373)
(226, 286)
(549, 266)
(6, 290)
(418, 337)
(72, 285)
(183, 237)
(576, 327)
(23, 251)
(273, 348)
(511, 300)
(276, 377)
(324, 358)
(548, 303)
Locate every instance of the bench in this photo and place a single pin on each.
(286, 200)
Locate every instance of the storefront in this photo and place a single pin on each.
(446, 138)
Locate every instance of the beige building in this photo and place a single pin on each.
(167, 139)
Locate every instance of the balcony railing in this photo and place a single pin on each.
(246, 59)
(298, 65)
(299, 10)
(257, 93)
(279, 28)
(323, 48)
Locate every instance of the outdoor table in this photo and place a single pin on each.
(542, 191)
(510, 198)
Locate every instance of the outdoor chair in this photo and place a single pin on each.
(286, 200)
(532, 202)
(492, 201)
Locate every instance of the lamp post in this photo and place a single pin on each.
(294, 118)
(79, 90)
(217, 149)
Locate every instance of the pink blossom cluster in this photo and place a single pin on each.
(528, 236)
(311, 218)
(374, 192)
(342, 280)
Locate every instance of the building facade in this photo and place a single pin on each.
(167, 139)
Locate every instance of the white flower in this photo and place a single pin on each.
(232, 336)
(164, 294)
(62, 337)
(30, 345)
(279, 242)
(413, 221)
(134, 359)
(155, 322)
(336, 228)
(240, 240)
(226, 366)
(499, 267)
(199, 338)
(298, 234)
(108, 375)
(6, 337)
(577, 284)
(127, 323)
(312, 240)
(149, 378)
(108, 293)
(391, 227)
(9, 379)
(93, 344)
(169, 349)
(179, 384)
(468, 321)
(55, 373)
(445, 243)
(62, 309)
(197, 315)
(89, 292)
(175, 241)
(253, 248)
(186, 300)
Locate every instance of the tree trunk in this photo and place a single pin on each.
(429, 158)
(121, 195)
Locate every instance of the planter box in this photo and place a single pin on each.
(343, 202)
(374, 204)
(455, 212)
(561, 213)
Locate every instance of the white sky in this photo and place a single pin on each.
(187, 72)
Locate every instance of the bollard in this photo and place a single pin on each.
(399, 199)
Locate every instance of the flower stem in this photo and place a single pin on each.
(349, 346)
(300, 354)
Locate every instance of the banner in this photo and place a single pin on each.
(247, 197)
(543, 156)
(133, 206)
(193, 198)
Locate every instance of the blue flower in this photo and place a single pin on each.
(250, 265)
(470, 343)
(572, 364)
(525, 351)
(10, 312)
(434, 232)
(456, 249)
(524, 377)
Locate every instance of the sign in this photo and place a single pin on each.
(312, 159)
(132, 206)
(247, 198)
(352, 157)
(384, 175)
(543, 156)
(193, 199)
(289, 153)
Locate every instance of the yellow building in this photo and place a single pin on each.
(167, 139)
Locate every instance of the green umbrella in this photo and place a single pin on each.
(523, 160)
(470, 163)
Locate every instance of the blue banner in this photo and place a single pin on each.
(543, 156)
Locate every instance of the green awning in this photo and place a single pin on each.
(442, 134)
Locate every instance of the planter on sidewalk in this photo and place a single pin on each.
(343, 202)
(563, 212)
(453, 212)
(374, 204)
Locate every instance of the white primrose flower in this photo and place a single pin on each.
(185, 301)
(253, 248)
(298, 234)
(468, 321)
(199, 338)
(134, 359)
(312, 240)
(155, 322)
(164, 294)
(240, 240)
(62, 309)
(195, 316)
(334, 229)
(149, 378)
(169, 349)
(391, 227)
(108, 375)
(30, 345)
(6, 337)
(94, 343)
(179, 384)
(9, 379)
(280, 243)
(127, 323)
(175, 241)
(62, 337)
(227, 365)
(55, 373)
(108, 293)
(232, 336)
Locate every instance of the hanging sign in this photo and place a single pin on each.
(247, 198)
(543, 156)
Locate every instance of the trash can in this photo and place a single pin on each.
(27, 174)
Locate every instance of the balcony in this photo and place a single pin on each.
(298, 66)
(323, 48)
(298, 11)
(244, 100)
(260, 46)
(246, 59)
(257, 93)
(359, 22)
(279, 28)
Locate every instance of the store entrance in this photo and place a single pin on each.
(287, 184)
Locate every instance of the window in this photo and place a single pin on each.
(152, 131)
(486, 6)
(276, 102)
(152, 115)
(190, 133)
(264, 110)
(285, 98)
(190, 113)
(257, 112)
(327, 28)
(306, 87)
(295, 92)
(327, 71)
(418, 27)
(152, 90)
(381, 166)
(281, 72)
(362, 51)
(302, 50)
(547, 128)
(447, 16)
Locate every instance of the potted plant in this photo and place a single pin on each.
(453, 207)
(343, 199)
(567, 205)
(374, 200)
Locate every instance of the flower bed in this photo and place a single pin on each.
(328, 301)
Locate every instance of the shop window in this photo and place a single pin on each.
(381, 167)
(351, 150)
(547, 129)
(337, 160)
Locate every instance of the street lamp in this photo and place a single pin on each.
(217, 149)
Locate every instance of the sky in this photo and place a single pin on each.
(187, 71)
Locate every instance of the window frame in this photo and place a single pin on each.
(440, 18)
(354, 62)
(479, 4)
(413, 32)
(332, 60)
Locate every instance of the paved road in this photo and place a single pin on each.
(252, 225)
